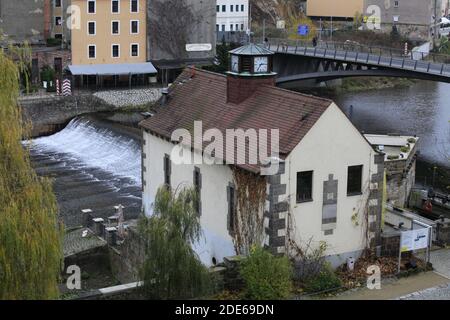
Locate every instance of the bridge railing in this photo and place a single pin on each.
(351, 46)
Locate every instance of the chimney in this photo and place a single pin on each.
(241, 88)
(164, 96)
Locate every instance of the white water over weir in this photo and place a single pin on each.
(96, 146)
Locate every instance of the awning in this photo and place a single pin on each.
(112, 69)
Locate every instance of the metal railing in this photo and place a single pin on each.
(357, 53)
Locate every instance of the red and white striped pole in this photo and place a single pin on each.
(58, 88)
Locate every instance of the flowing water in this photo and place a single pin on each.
(95, 165)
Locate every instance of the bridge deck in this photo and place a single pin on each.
(406, 64)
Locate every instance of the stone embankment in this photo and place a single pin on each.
(50, 113)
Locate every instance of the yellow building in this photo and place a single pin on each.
(110, 42)
(334, 8)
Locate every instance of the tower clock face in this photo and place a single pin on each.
(234, 63)
(261, 64)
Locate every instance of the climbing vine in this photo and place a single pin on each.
(251, 198)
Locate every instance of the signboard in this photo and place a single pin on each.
(303, 30)
(196, 47)
(281, 24)
(414, 240)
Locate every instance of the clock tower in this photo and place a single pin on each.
(250, 67)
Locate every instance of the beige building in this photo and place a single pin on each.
(111, 31)
(334, 8)
(110, 43)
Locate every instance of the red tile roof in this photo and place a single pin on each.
(201, 95)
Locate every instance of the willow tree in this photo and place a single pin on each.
(30, 238)
(171, 268)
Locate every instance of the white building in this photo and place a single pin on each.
(232, 15)
(328, 187)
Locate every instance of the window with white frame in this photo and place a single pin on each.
(135, 50)
(91, 28)
(115, 27)
(134, 26)
(91, 51)
(57, 3)
(134, 6)
(91, 6)
(115, 50)
(115, 6)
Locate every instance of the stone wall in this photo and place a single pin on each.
(126, 258)
(400, 179)
(49, 114)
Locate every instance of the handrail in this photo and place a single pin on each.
(304, 46)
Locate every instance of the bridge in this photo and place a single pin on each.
(296, 62)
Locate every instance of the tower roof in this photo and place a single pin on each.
(251, 50)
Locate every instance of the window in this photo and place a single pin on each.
(134, 50)
(396, 4)
(224, 8)
(115, 51)
(304, 186)
(242, 8)
(198, 187)
(217, 28)
(231, 8)
(91, 6)
(231, 27)
(223, 28)
(242, 27)
(167, 170)
(237, 27)
(57, 3)
(217, 8)
(115, 27)
(58, 21)
(134, 6)
(354, 180)
(91, 28)
(237, 8)
(134, 26)
(58, 35)
(115, 6)
(91, 51)
(231, 207)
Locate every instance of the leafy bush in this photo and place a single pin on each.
(266, 277)
(405, 149)
(393, 157)
(325, 280)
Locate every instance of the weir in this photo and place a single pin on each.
(95, 164)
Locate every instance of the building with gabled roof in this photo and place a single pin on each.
(328, 182)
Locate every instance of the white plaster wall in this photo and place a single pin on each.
(217, 242)
(227, 18)
(330, 147)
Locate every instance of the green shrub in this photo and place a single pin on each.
(412, 140)
(266, 277)
(393, 157)
(325, 280)
(405, 149)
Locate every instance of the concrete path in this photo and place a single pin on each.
(441, 262)
(393, 289)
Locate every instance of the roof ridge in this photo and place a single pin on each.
(275, 88)
(212, 73)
